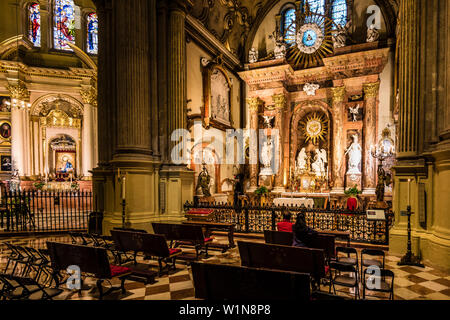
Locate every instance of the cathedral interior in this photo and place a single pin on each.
(228, 114)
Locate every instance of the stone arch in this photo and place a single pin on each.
(300, 111)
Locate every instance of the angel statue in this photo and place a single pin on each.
(372, 34)
(311, 88)
(279, 50)
(354, 111)
(253, 55)
(204, 181)
(354, 156)
(268, 121)
(340, 35)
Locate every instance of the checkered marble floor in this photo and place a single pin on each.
(411, 283)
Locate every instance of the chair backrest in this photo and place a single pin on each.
(150, 244)
(224, 282)
(180, 232)
(278, 237)
(372, 252)
(92, 260)
(343, 267)
(347, 250)
(287, 258)
(384, 273)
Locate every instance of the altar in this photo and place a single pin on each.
(287, 202)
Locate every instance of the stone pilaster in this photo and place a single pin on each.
(254, 106)
(279, 101)
(369, 168)
(338, 166)
(89, 95)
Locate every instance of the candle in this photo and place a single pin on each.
(123, 188)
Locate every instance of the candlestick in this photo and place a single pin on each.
(409, 192)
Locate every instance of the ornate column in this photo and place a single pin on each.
(89, 95)
(253, 106)
(279, 101)
(19, 127)
(370, 137)
(338, 169)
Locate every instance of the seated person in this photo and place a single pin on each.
(303, 234)
(286, 224)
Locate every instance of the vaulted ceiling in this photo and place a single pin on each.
(235, 22)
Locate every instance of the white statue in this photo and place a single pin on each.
(372, 34)
(311, 88)
(268, 121)
(266, 158)
(280, 48)
(318, 167)
(253, 55)
(301, 160)
(354, 156)
(354, 111)
(340, 35)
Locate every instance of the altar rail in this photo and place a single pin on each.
(255, 219)
(45, 211)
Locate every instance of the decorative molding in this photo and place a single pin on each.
(279, 101)
(371, 89)
(338, 94)
(19, 91)
(89, 95)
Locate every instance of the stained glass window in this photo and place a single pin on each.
(289, 25)
(92, 33)
(34, 24)
(64, 24)
(339, 12)
(317, 6)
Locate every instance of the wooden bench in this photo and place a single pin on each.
(344, 235)
(183, 235)
(150, 245)
(286, 258)
(91, 260)
(224, 282)
(219, 226)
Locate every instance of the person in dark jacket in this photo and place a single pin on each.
(303, 234)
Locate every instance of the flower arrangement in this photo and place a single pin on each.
(39, 185)
(353, 191)
(261, 191)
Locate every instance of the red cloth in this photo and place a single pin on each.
(209, 239)
(285, 226)
(352, 204)
(173, 251)
(118, 270)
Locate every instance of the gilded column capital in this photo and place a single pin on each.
(254, 103)
(279, 101)
(338, 94)
(89, 95)
(19, 91)
(371, 89)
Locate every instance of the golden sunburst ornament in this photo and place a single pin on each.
(315, 127)
(309, 38)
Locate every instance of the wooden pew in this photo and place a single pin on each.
(150, 245)
(224, 282)
(182, 234)
(91, 260)
(287, 258)
(278, 237)
(210, 226)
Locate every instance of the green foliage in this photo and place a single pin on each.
(261, 191)
(353, 191)
(75, 186)
(39, 185)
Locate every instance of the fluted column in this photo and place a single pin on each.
(132, 80)
(253, 106)
(338, 169)
(370, 136)
(279, 101)
(176, 69)
(89, 95)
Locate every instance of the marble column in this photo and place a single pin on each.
(338, 163)
(369, 168)
(254, 106)
(19, 128)
(89, 95)
(279, 101)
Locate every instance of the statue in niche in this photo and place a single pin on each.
(204, 181)
(372, 33)
(319, 165)
(268, 121)
(354, 156)
(279, 50)
(302, 159)
(266, 157)
(340, 35)
(354, 111)
(253, 55)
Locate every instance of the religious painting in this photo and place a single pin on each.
(5, 130)
(5, 104)
(92, 33)
(64, 24)
(65, 162)
(6, 163)
(34, 24)
(217, 97)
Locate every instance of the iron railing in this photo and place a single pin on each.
(45, 211)
(253, 218)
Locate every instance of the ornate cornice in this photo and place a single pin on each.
(19, 91)
(89, 95)
(338, 94)
(371, 89)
